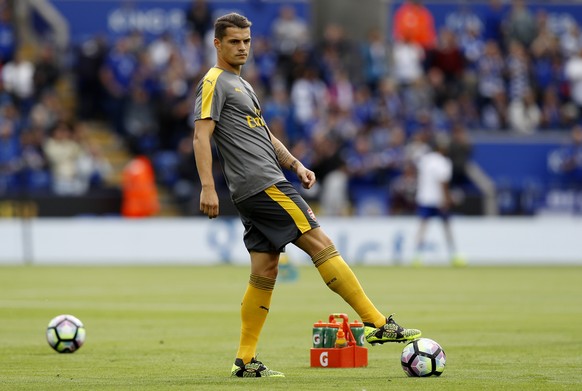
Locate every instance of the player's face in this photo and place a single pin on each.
(234, 48)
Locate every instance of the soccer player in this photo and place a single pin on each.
(433, 197)
(272, 211)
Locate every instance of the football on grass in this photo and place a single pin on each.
(423, 357)
(65, 333)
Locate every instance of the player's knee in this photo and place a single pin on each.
(314, 241)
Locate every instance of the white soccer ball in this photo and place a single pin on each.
(65, 333)
(423, 357)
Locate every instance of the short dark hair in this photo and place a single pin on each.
(229, 20)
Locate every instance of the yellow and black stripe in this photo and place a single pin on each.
(275, 217)
(208, 86)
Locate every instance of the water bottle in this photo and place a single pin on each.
(358, 332)
(340, 339)
(318, 334)
(330, 334)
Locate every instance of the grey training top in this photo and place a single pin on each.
(246, 152)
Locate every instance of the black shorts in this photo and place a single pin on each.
(275, 217)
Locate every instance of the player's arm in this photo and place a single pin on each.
(203, 130)
(290, 162)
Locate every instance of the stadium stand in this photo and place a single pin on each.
(509, 76)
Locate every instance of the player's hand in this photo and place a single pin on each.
(306, 176)
(209, 203)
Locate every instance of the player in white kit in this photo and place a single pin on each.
(433, 198)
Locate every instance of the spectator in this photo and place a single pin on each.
(367, 106)
(88, 60)
(518, 70)
(573, 73)
(490, 74)
(186, 189)
(173, 110)
(376, 57)
(63, 154)
(34, 168)
(8, 39)
(439, 90)
(417, 103)
(402, 191)
(192, 54)
(46, 70)
(340, 124)
(472, 45)
(524, 114)
(160, 50)
(278, 107)
(17, 76)
(571, 40)
(341, 90)
(140, 195)
(329, 167)
(464, 21)
(548, 64)
(290, 37)
(414, 22)
(94, 169)
(9, 157)
(552, 112)
(116, 75)
(390, 157)
(309, 99)
(47, 112)
(493, 22)
(360, 163)
(199, 18)
(265, 62)
(567, 161)
(289, 32)
(140, 121)
(417, 146)
(408, 58)
(460, 151)
(449, 59)
(337, 51)
(494, 114)
(468, 111)
(521, 24)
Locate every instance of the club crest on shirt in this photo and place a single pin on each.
(311, 214)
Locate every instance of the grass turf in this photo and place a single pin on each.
(171, 328)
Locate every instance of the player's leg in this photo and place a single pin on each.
(419, 246)
(340, 278)
(449, 236)
(337, 275)
(256, 302)
(455, 258)
(254, 310)
(424, 214)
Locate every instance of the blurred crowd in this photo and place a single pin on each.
(358, 113)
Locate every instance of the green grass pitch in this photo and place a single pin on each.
(176, 328)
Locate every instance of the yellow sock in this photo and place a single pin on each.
(254, 310)
(341, 279)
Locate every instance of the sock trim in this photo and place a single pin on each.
(263, 283)
(324, 255)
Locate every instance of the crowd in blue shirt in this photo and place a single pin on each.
(364, 108)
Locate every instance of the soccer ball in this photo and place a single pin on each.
(65, 333)
(423, 357)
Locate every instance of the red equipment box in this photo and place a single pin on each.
(350, 356)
